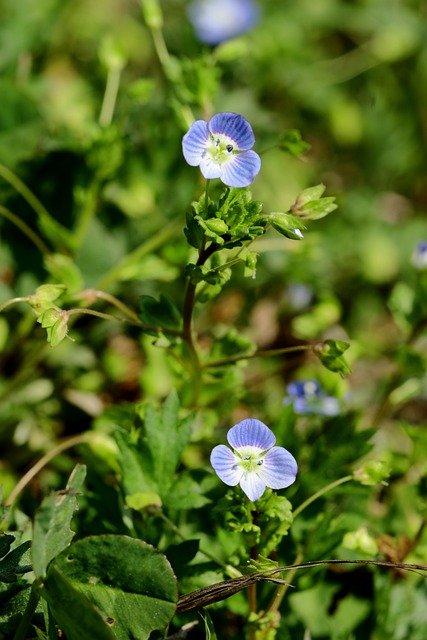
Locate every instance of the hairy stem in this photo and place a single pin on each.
(110, 97)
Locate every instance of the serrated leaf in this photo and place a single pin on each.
(166, 436)
(52, 532)
(126, 582)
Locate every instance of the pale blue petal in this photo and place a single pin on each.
(251, 433)
(209, 168)
(241, 170)
(252, 485)
(235, 127)
(279, 468)
(194, 142)
(224, 462)
(217, 20)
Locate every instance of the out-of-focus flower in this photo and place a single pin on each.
(217, 20)
(253, 462)
(222, 149)
(419, 256)
(308, 398)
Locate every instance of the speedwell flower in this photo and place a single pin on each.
(308, 398)
(419, 256)
(222, 149)
(254, 462)
(215, 21)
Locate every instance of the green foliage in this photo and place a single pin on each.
(178, 288)
(52, 533)
(150, 456)
(114, 586)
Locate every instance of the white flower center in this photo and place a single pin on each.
(249, 458)
(220, 148)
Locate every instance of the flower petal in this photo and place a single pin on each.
(223, 461)
(252, 485)
(241, 169)
(194, 142)
(209, 168)
(251, 433)
(235, 127)
(218, 20)
(279, 468)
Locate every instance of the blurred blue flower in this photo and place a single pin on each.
(308, 398)
(419, 256)
(221, 147)
(217, 20)
(254, 463)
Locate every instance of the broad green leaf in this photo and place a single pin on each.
(52, 533)
(76, 614)
(130, 584)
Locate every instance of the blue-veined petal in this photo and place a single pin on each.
(235, 127)
(252, 485)
(241, 170)
(194, 142)
(225, 465)
(209, 168)
(279, 468)
(251, 433)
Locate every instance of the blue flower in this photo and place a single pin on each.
(221, 147)
(419, 257)
(254, 463)
(217, 20)
(308, 398)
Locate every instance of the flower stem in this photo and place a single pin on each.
(26, 230)
(260, 353)
(320, 493)
(30, 609)
(188, 308)
(283, 588)
(8, 303)
(110, 96)
(26, 479)
(41, 211)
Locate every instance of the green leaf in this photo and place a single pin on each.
(331, 356)
(165, 437)
(292, 142)
(9, 565)
(5, 542)
(159, 313)
(310, 204)
(65, 271)
(76, 614)
(52, 533)
(288, 225)
(128, 582)
(42, 298)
